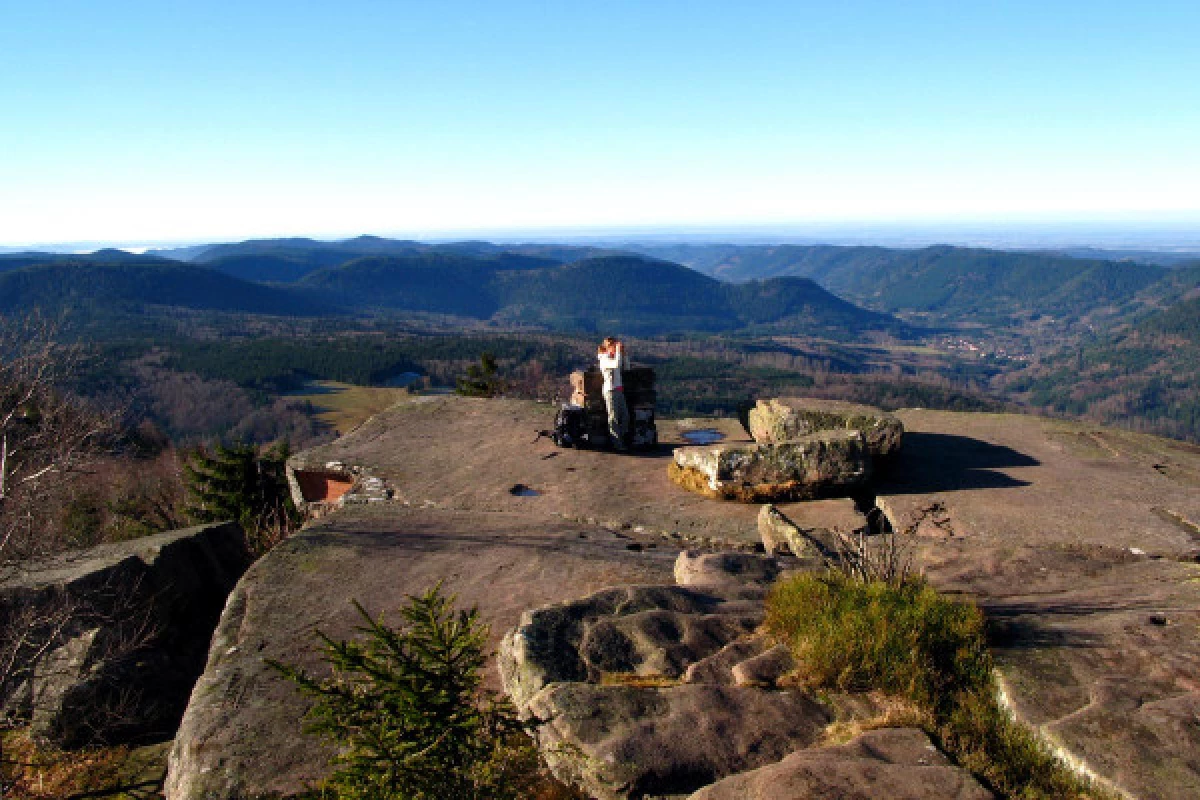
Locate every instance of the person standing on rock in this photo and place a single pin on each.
(612, 360)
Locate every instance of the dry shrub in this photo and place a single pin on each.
(889, 711)
(856, 635)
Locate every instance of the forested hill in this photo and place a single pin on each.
(110, 286)
(438, 282)
(1143, 376)
(628, 293)
(953, 284)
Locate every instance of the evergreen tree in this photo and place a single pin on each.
(238, 483)
(482, 379)
(407, 711)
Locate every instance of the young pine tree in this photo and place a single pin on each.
(482, 379)
(406, 708)
(238, 483)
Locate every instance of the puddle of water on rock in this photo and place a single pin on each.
(702, 436)
(521, 490)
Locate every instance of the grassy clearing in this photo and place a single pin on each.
(344, 406)
(907, 640)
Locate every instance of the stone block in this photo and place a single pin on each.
(816, 465)
(779, 420)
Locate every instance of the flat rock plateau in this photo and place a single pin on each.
(1080, 543)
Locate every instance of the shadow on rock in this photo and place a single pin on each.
(941, 462)
(1020, 633)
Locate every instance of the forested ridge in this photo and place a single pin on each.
(631, 293)
(957, 284)
(1110, 340)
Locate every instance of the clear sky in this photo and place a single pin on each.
(160, 120)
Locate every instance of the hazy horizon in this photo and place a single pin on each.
(1180, 236)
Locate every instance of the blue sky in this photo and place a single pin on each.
(127, 121)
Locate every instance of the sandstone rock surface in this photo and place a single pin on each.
(124, 632)
(657, 690)
(630, 742)
(693, 568)
(1076, 539)
(242, 733)
(897, 763)
(1072, 538)
(810, 466)
(783, 419)
(464, 454)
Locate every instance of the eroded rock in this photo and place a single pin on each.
(897, 763)
(812, 546)
(621, 742)
(653, 691)
(765, 669)
(693, 568)
(118, 634)
(637, 630)
(778, 420)
(816, 465)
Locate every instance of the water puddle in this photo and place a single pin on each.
(702, 436)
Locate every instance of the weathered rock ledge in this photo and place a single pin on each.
(117, 634)
(650, 691)
(811, 466)
(897, 763)
(1079, 542)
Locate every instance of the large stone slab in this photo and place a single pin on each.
(816, 465)
(1080, 544)
(783, 419)
(243, 735)
(121, 634)
(466, 454)
(897, 763)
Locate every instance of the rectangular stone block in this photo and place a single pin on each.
(809, 466)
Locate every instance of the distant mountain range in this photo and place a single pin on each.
(946, 284)
(813, 289)
(554, 287)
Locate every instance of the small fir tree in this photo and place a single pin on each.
(482, 379)
(406, 708)
(238, 483)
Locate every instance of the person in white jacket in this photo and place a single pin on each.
(611, 356)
